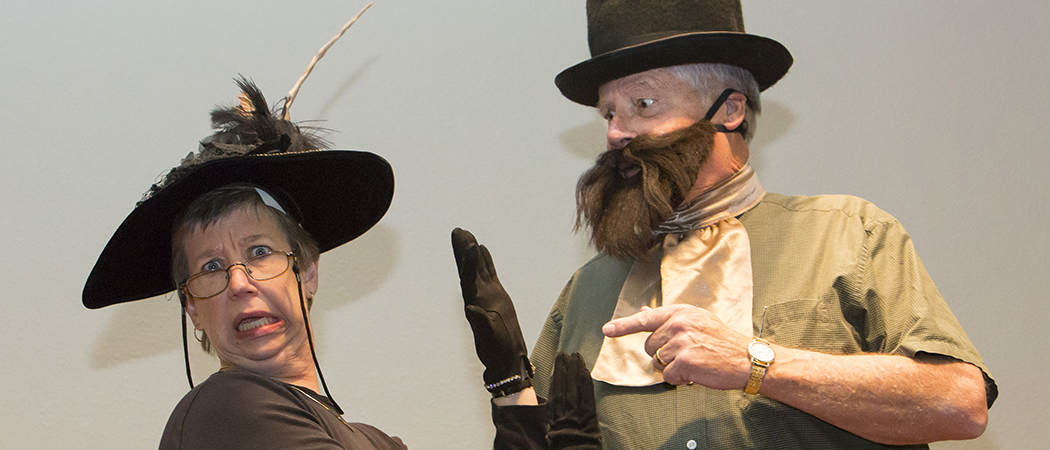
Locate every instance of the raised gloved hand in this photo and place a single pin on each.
(497, 336)
(571, 408)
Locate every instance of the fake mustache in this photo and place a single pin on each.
(630, 191)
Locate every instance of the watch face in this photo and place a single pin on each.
(760, 351)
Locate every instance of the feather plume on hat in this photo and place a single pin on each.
(250, 128)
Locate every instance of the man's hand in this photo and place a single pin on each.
(890, 399)
(694, 346)
(571, 408)
(497, 336)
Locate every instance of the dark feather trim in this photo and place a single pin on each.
(249, 128)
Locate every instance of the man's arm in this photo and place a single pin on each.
(889, 399)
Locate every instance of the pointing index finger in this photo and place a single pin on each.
(645, 320)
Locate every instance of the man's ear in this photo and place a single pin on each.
(735, 108)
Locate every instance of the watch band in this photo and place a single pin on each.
(760, 361)
(758, 371)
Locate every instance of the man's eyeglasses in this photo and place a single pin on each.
(259, 268)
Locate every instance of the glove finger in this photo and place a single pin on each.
(461, 237)
(486, 268)
(465, 249)
(570, 374)
(560, 397)
(583, 383)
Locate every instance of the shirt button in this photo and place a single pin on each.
(691, 445)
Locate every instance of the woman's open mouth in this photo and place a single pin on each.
(252, 323)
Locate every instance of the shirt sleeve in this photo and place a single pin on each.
(905, 313)
(520, 427)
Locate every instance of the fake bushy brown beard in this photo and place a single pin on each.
(622, 210)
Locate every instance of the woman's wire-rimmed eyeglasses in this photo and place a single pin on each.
(264, 267)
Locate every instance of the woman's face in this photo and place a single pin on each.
(253, 325)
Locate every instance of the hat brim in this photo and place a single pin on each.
(766, 59)
(340, 194)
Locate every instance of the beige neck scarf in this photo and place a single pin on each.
(704, 261)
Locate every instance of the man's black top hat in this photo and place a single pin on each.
(336, 195)
(632, 36)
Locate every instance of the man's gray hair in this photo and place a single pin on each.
(709, 80)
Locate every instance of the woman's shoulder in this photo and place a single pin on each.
(234, 392)
(240, 409)
(231, 382)
(234, 406)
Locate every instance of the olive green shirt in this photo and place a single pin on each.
(839, 276)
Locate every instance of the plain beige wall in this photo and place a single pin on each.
(934, 110)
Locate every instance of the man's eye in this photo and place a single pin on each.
(645, 103)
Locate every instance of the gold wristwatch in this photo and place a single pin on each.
(761, 357)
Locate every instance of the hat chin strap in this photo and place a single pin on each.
(309, 337)
(185, 346)
(718, 104)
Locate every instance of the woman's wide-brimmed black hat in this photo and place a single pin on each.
(336, 195)
(631, 36)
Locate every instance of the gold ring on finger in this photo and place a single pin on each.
(659, 359)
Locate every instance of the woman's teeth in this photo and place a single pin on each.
(248, 324)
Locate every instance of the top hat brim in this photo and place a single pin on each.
(337, 194)
(766, 59)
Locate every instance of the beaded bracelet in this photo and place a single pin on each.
(508, 386)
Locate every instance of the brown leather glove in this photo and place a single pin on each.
(571, 407)
(497, 336)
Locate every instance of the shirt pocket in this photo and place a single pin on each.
(810, 324)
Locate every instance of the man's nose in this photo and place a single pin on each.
(620, 133)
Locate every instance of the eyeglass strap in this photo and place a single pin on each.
(309, 335)
(186, 347)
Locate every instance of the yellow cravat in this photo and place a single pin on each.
(709, 267)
